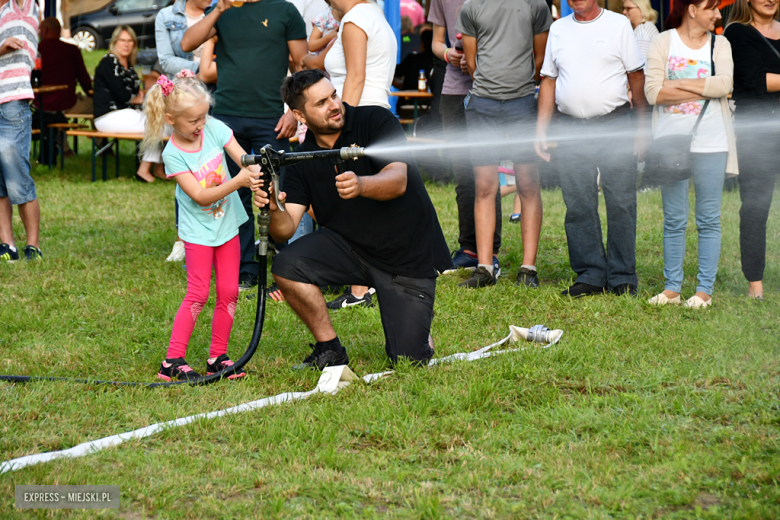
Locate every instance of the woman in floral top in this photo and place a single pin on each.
(680, 81)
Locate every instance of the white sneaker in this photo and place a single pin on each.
(694, 302)
(177, 255)
(662, 299)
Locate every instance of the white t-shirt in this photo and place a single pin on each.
(686, 63)
(381, 51)
(192, 20)
(590, 61)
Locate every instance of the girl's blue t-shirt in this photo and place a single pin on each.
(215, 224)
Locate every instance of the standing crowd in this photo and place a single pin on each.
(607, 89)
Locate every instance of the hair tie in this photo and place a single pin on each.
(185, 73)
(166, 85)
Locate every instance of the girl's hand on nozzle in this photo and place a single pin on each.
(255, 181)
(246, 177)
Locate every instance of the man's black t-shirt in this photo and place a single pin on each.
(400, 236)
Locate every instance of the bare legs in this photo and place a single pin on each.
(30, 213)
(309, 304)
(529, 192)
(530, 198)
(756, 289)
(145, 171)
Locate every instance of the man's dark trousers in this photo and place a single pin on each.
(453, 118)
(610, 151)
(252, 134)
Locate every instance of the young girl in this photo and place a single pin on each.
(210, 212)
(326, 28)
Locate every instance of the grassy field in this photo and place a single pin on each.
(639, 412)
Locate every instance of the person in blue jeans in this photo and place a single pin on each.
(18, 42)
(256, 43)
(680, 82)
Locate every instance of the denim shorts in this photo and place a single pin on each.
(491, 121)
(15, 129)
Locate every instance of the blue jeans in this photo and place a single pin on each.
(15, 128)
(252, 134)
(709, 172)
(305, 227)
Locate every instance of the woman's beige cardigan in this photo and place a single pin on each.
(716, 87)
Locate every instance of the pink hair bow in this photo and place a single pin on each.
(185, 73)
(166, 85)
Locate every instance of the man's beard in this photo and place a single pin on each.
(328, 127)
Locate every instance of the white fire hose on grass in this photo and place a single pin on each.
(331, 381)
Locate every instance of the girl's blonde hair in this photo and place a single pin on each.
(115, 36)
(185, 91)
(648, 13)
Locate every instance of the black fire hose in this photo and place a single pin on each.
(263, 220)
(272, 161)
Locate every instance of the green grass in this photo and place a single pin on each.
(639, 412)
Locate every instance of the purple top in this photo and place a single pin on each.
(445, 13)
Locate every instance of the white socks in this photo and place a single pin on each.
(12, 248)
(488, 267)
(529, 267)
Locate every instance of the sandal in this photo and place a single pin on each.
(274, 293)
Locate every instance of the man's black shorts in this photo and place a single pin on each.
(406, 304)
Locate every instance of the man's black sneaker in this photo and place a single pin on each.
(479, 278)
(221, 363)
(350, 300)
(324, 356)
(176, 368)
(514, 218)
(624, 288)
(528, 278)
(246, 281)
(579, 289)
(8, 255)
(32, 253)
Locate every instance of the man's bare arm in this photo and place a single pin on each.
(388, 184)
(470, 52)
(540, 43)
(544, 114)
(204, 30)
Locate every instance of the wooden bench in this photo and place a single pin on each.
(80, 116)
(96, 150)
(59, 127)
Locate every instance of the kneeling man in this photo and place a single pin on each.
(378, 225)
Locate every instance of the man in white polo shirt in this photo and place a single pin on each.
(591, 59)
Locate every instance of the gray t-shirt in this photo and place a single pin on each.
(445, 13)
(504, 30)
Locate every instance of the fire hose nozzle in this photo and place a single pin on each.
(249, 160)
(540, 334)
(350, 152)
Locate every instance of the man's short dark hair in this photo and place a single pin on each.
(295, 85)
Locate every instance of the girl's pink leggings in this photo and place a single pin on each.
(226, 260)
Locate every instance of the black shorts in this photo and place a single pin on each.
(406, 304)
